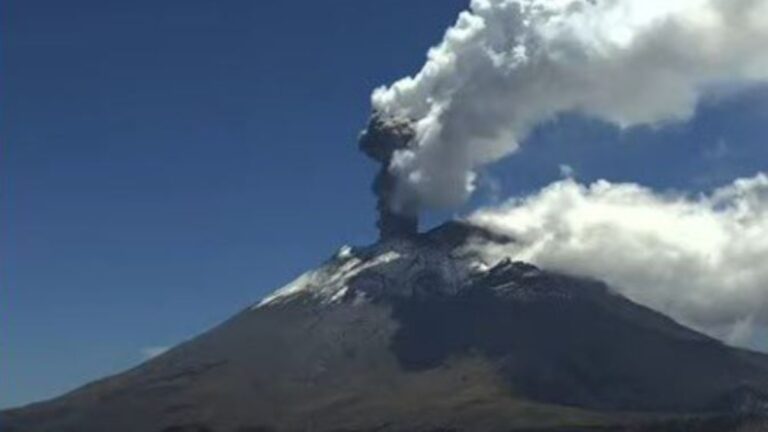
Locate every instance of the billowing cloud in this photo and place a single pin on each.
(506, 66)
(701, 259)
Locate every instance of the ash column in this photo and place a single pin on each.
(380, 141)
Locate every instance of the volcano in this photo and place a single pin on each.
(419, 333)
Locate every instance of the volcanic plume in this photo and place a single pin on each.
(449, 329)
(380, 141)
(507, 66)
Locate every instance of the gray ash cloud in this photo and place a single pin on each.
(380, 141)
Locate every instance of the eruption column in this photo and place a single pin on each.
(381, 139)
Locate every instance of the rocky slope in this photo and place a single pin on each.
(422, 334)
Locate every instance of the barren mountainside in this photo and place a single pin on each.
(420, 333)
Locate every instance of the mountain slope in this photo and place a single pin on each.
(421, 334)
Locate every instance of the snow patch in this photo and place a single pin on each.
(401, 264)
(329, 282)
(298, 285)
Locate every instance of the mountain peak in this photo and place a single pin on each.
(422, 333)
(438, 260)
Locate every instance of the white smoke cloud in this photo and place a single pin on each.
(506, 66)
(702, 260)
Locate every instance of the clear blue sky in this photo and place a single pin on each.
(167, 163)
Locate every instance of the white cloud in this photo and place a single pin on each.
(151, 352)
(702, 260)
(506, 66)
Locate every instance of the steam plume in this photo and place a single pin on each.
(698, 259)
(508, 65)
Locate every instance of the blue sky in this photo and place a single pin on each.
(165, 164)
